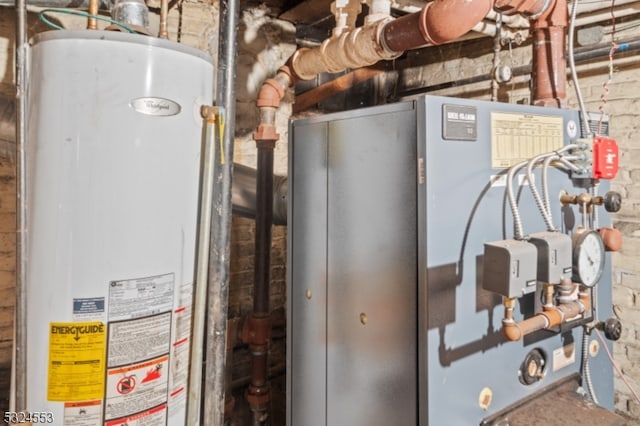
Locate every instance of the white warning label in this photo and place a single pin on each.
(152, 417)
(136, 388)
(139, 339)
(140, 297)
(85, 413)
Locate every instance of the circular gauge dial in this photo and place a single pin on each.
(588, 257)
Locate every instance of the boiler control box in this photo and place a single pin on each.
(510, 267)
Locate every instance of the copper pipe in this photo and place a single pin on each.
(549, 57)
(551, 317)
(92, 23)
(340, 84)
(164, 11)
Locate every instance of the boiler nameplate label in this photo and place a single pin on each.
(520, 137)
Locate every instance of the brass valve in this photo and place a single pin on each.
(612, 201)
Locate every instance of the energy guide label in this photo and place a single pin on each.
(76, 361)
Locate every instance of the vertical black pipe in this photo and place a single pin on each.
(264, 221)
(218, 284)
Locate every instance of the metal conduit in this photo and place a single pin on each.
(218, 285)
(20, 342)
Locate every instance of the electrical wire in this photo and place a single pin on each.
(543, 206)
(517, 219)
(615, 366)
(46, 20)
(545, 185)
(534, 190)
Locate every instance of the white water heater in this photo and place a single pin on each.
(113, 158)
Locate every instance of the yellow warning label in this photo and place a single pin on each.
(76, 361)
(519, 137)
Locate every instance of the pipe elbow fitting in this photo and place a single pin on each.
(270, 94)
(511, 331)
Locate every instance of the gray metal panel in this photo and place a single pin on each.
(463, 346)
(307, 253)
(370, 219)
(371, 310)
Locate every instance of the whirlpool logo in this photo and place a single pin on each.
(155, 106)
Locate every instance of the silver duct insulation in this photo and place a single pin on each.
(244, 194)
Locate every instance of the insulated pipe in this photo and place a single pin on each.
(218, 284)
(20, 341)
(549, 73)
(346, 13)
(378, 10)
(438, 22)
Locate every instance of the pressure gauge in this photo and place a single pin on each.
(588, 257)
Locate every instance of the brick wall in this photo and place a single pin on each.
(7, 269)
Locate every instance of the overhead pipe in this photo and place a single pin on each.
(549, 75)
(345, 13)
(63, 4)
(19, 373)
(585, 54)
